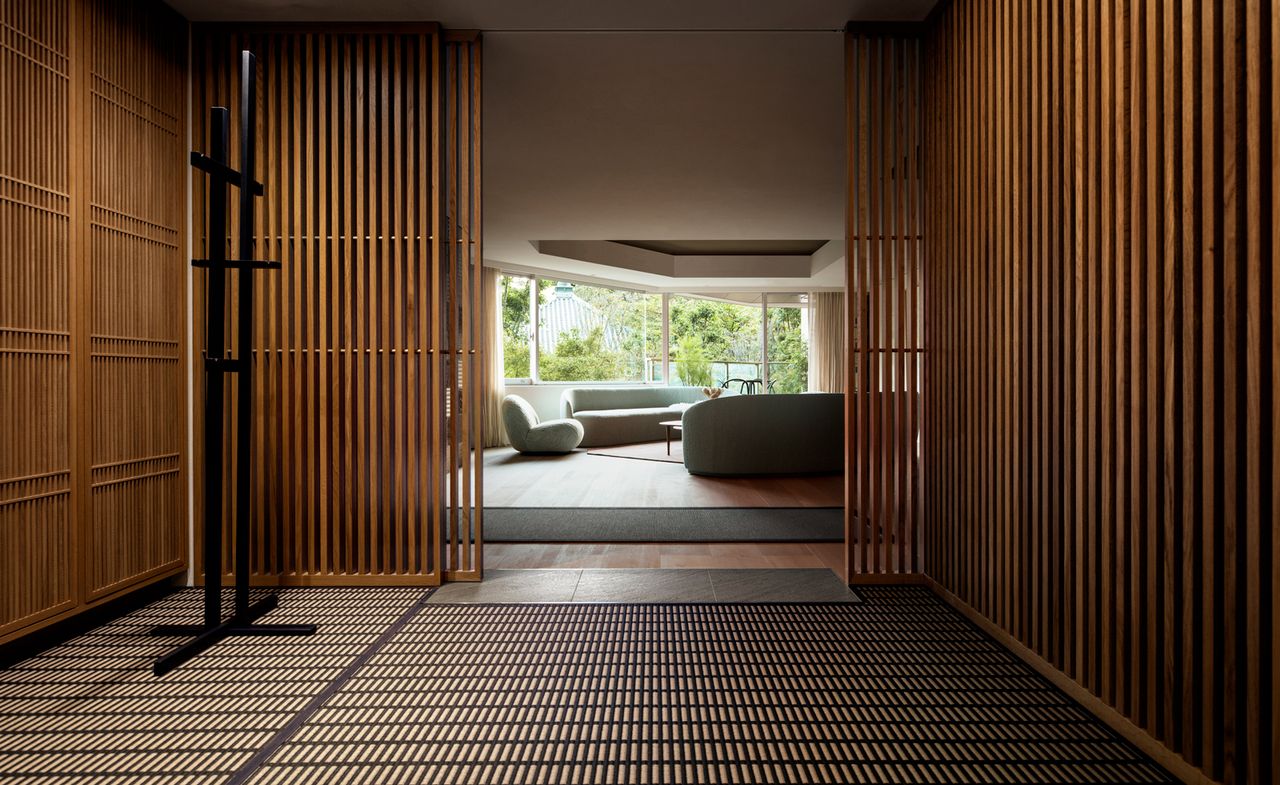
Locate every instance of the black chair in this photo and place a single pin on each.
(745, 386)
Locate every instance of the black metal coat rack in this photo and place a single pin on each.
(221, 176)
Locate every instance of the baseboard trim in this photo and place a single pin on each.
(1150, 745)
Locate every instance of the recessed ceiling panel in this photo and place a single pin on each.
(728, 247)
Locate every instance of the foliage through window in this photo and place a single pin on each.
(598, 334)
(514, 291)
(788, 348)
(594, 334)
(713, 341)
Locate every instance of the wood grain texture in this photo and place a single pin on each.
(93, 484)
(368, 355)
(1100, 235)
(883, 505)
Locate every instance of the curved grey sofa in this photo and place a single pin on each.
(625, 415)
(765, 434)
(527, 434)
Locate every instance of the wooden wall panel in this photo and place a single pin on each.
(1100, 228)
(37, 520)
(137, 276)
(363, 455)
(883, 482)
(92, 304)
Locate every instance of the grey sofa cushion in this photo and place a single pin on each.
(576, 399)
(765, 434)
(625, 415)
(528, 434)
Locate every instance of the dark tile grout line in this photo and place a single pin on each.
(282, 736)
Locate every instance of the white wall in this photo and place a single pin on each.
(545, 398)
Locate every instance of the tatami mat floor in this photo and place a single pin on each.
(393, 688)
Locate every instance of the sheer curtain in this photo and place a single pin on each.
(826, 342)
(494, 433)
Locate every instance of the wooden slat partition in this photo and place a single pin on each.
(93, 477)
(883, 483)
(465, 358)
(1101, 228)
(358, 450)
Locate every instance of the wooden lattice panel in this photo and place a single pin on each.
(365, 445)
(137, 304)
(92, 303)
(37, 520)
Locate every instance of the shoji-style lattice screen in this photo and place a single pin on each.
(365, 433)
(93, 484)
(883, 504)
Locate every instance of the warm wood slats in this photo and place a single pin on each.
(1101, 189)
(37, 521)
(463, 356)
(137, 307)
(883, 410)
(92, 304)
(360, 462)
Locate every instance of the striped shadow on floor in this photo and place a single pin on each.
(90, 710)
(896, 689)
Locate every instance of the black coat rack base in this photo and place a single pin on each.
(222, 176)
(205, 636)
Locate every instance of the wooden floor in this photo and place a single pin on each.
(667, 555)
(582, 480)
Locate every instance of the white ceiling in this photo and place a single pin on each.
(570, 14)
(662, 136)
(657, 120)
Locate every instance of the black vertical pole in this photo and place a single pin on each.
(215, 354)
(244, 348)
(221, 175)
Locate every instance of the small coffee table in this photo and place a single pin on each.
(672, 425)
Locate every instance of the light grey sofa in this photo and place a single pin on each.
(528, 434)
(765, 434)
(625, 415)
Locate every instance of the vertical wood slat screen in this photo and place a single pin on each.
(465, 359)
(884, 504)
(1101, 227)
(356, 453)
(92, 304)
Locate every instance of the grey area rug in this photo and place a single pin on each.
(668, 524)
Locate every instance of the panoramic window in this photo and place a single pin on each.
(714, 341)
(788, 344)
(589, 333)
(594, 334)
(516, 327)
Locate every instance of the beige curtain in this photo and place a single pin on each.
(826, 342)
(494, 433)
